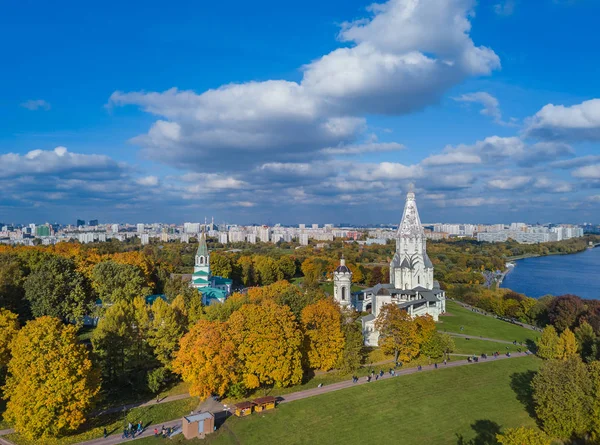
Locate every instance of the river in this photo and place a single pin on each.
(577, 274)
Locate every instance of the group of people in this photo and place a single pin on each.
(130, 431)
(164, 432)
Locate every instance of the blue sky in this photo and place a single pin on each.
(319, 112)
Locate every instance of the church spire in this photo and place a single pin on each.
(202, 247)
(410, 226)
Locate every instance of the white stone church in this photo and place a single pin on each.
(411, 287)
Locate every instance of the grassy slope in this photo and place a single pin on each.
(430, 407)
(478, 347)
(480, 325)
(114, 423)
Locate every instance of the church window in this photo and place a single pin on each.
(418, 280)
(343, 294)
(201, 260)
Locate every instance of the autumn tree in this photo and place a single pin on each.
(323, 336)
(548, 346)
(523, 436)
(51, 382)
(246, 271)
(167, 328)
(268, 343)
(566, 381)
(567, 344)
(397, 333)
(312, 271)
(118, 282)
(564, 310)
(207, 359)
(55, 288)
(9, 326)
(425, 328)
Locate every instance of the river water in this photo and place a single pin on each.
(577, 274)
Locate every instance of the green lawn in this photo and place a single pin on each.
(434, 407)
(114, 423)
(480, 325)
(478, 347)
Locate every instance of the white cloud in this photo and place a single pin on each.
(357, 149)
(56, 162)
(578, 122)
(401, 59)
(588, 172)
(510, 183)
(36, 104)
(452, 158)
(148, 181)
(491, 106)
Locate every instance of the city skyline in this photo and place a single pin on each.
(329, 113)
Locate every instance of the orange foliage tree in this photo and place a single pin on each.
(206, 359)
(398, 333)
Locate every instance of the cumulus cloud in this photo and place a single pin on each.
(401, 59)
(57, 162)
(588, 172)
(579, 122)
(36, 104)
(510, 183)
(358, 149)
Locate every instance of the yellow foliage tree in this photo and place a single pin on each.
(567, 344)
(523, 436)
(206, 359)
(425, 328)
(9, 326)
(323, 336)
(268, 343)
(398, 333)
(51, 382)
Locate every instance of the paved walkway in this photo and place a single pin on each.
(6, 432)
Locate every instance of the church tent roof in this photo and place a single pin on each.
(200, 272)
(202, 247)
(200, 281)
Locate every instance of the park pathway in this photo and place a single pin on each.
(299, 395)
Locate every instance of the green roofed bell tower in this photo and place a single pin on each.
(202, 264)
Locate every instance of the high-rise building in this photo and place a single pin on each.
(80, 223)
(140, 228)
(93, 223)
(42, 230)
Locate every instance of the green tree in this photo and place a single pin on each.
(287, 267)
(166, 331)
(220, 265)
(586, 341)
(51, 382)
(561, 393)
(438, 345)
(115, 282)
(9, 327)
(267, 269)
(594, 415)
(246, 270)
(12, 276)
(523, 436)
(548, 346)
(55, 288)
(157, 380)
(352, 355)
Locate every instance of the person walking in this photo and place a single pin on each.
(105, 433)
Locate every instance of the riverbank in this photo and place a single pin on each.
(556, 274)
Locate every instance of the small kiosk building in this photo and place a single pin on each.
(197, 426)
(264, 403)
(243, 409)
